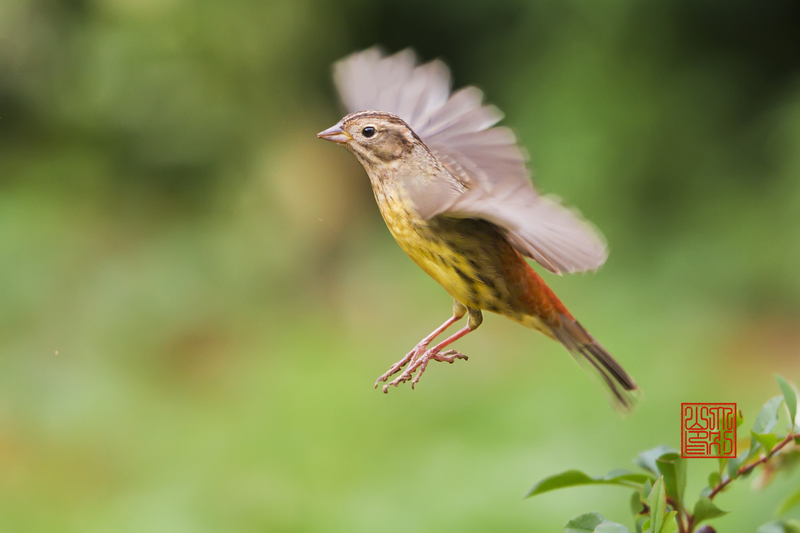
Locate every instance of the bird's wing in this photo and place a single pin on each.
(460, 131)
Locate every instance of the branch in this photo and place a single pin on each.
(679, 515)
(745, 469)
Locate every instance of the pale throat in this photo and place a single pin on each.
(388, 178)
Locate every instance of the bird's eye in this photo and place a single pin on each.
(368, 132)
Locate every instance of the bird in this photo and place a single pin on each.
(455, 192)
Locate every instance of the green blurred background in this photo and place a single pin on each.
(196, 294)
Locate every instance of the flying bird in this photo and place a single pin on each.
(456, 194)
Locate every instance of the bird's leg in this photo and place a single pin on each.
(421, 362)
(459, 310)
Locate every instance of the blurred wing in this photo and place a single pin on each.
(539, 227)
(458, 130)
(369, 81)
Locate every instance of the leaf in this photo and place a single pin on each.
(647, 459)
(611, 527)
(575, 478)
(593, 523)
(705, 509)
(584, 522)
(736, 462)
(670, 524)
(768, 415)
(673, 467)
(646, 488)
(771, 527)
(713, 479)
(625, 477)
(791, 501)
(779, 526)
(765, 420)
(640, 522)
(790, 397)
(636, 504)
(570, 478)
(766, 440)
(658, 505)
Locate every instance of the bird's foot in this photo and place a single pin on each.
(410, 357)
(417, 362)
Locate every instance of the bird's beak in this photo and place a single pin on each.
(335, 134)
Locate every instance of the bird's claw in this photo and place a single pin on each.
(450, 356)
(409, 358)
(417, 362)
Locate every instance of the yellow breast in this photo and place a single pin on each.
(434, 254)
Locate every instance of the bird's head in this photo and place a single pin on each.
(375, 137)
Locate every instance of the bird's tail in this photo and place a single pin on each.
(597, 361)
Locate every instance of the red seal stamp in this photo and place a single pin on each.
(708, 430)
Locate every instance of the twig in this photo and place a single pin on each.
(721, 484)
(678, 515)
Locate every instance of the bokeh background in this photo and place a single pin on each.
(196, 294)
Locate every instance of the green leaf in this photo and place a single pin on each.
(780, 526)
(646, 488)
(670, 523)
(673, 467)
(575, 478)
(713, 479)
(766, 440)
(640, 522)
(647, 459)
(570, 478)
(620, 476)
(584, 522)
(636, 503)
(768, 415)
(791, 501)
(765, 421)
(593, 523)
(658, 505)
(705, 509)
(790, 397)
(611, 527)
(771, 527)
(736, 462)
